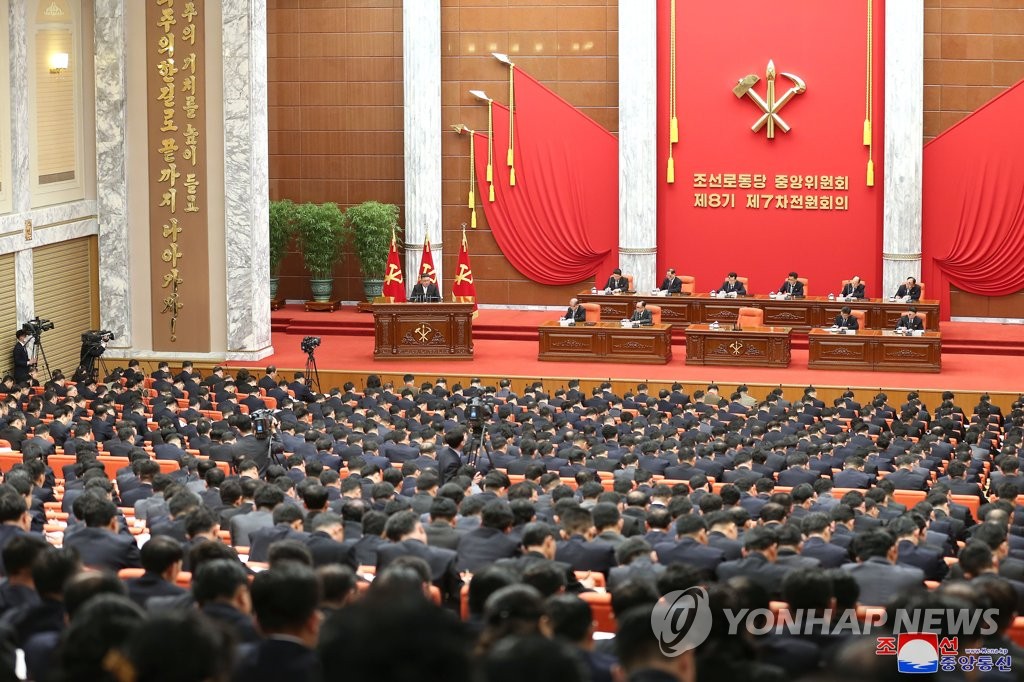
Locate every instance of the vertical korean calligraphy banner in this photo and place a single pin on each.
(175, 68)
(813, 225)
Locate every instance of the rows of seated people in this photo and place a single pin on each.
(506, 540)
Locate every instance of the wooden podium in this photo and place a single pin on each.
(423, 330)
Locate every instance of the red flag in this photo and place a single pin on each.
(427, 263)
(394, 281)
(463, 288)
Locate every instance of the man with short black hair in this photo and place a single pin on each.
(99, 544)
(162, 559)
(221, 589)
(760, 548)
(880, 579)
(692, 546)
(490, 542)
(288, 525)
(407, 538)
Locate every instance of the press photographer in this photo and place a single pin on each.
(257, 440)
(23, 362)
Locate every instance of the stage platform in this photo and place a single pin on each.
(976, 357)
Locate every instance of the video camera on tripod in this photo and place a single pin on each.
(477, 412)
(310, 344)
(263, 423)
(36, 326)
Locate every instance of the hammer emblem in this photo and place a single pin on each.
(770, 106)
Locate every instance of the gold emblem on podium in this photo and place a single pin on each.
(736, 346)
(769, 105)
(423, 332)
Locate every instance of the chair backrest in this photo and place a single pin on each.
(629, 278)
(924, 319)
(750, 317)
(921, 284)
(655, 313)
(859, 314)
(803, 280)
(593, 311)
(744, 280)
(689, 284)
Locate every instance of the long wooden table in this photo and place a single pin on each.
(605, 342)
(801, 314)
(747, 347)
(875, 350)
(423, 330)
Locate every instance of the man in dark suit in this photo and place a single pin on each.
(327, 541)
(692, 547)
(170, 449)
(672, 284)
(287, 520)
(99, 544)
(617, 282)
(758, 563)
(911, 552)
(266, 499)
(635, 565)
(300, 388)
(904, 477)
(22, 363)
(909, 289)
(285, 600)
(162, 559)
(817, 530)
(490, 542)
(425, 291)
(880, 579)
(792, 286)
(575, 311)
(641, 314)
(853, 289)
(732, 285)
(845, 319)
(441, 531)
(910, 320)
(449, 460)
(853, 476)
(14, 432)
(577, 550)
(407, 538)
(269, 380)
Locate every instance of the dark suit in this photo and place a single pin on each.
(326, 550)
(243, 525)
(881, 581)
(829, 555)
(431, 295)
(688, 551)
(21, 362)
(577, 314)
(672, 286)
(927, 559)
(99, 548)
(448, 463)
(914, 292)
(851, 478)
(904, 479)
(443, 571)
(756, 567)
(151, 585)
(261, 539)
(483, 546)
(582, 555)
(794, 289)
(848, 323)
(441, 534)
(641, 569)
(738, 288)
(273, 659)
(620, 283)
(642, 316)
(848, 290)
(910, 322)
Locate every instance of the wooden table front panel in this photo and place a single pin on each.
(748, 347)
(875, 350)
(897, 353)
(605, 342)
(849, 351)
(423, 330)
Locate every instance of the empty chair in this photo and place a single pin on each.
(750, 317)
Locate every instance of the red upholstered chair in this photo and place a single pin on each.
(921, 284)
(655, 313)
(689, 284)
(750, 317)
(593, 311)
(746, 283)
(630, 287)
(923, 317)
(803, 280)
(859, 314)
(864, 282)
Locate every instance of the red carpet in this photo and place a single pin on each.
(506, 345)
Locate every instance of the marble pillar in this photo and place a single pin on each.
(111, 171)
(24, 271)
(421, 66)
(246, 173)
(904, 120)
(638, 140)
(21, 193)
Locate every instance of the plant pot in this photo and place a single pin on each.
(373, 288)
(321, 289)
(274, 281)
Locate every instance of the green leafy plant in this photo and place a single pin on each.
(372, 224)
(321, 233)
(282, 227)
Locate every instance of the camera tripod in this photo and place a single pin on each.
(312, 375)
(38, 350)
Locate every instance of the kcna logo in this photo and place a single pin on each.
(681, 620)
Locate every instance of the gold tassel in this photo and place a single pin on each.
(472, 219)
(490, 173)
(871, 173)
(673, 130)
(867, 133)
(490, 194)
(671, 177)
(472, 199)
(512, 177)
(509, 158)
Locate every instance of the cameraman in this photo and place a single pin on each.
(22, 362)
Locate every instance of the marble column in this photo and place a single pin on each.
(638, 140)
(904, 120)
(111, 171)
(24, 271)
(246, 173)
(21, 193)
(421, 66)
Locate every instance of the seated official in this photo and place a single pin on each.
(425, 291)
(910, 320)
(641, 314)
(909, 290)
(854, 288)
(733, 285)
(617, 282)
(846, 320)
(575, 312)
(672, 284)
(792, 286)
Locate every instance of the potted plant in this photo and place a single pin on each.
(372, 225)
(282, 227)
(321, 234)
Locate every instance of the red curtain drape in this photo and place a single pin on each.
(973, 210)
(559, 223)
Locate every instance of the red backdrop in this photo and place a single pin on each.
(720, 42)
(973, 210)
